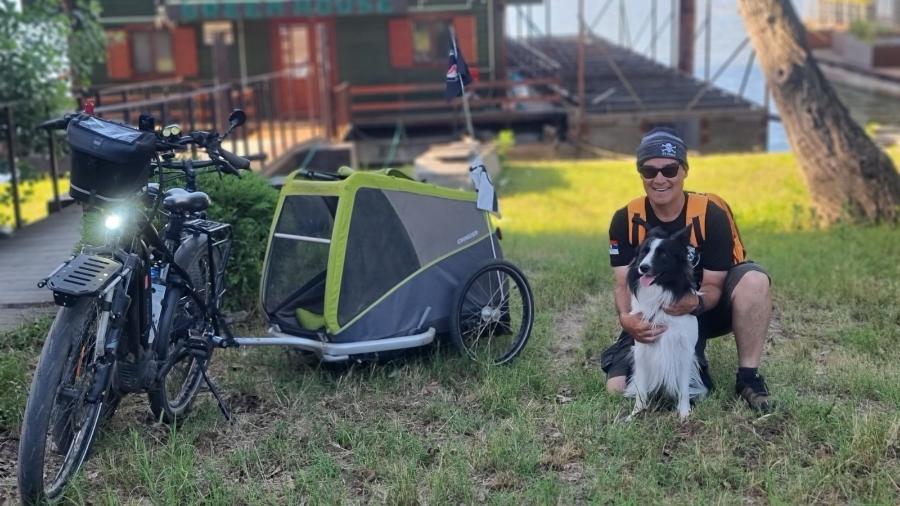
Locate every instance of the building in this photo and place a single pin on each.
(360, 42)
(373, 71)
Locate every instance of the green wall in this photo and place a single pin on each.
(364, 55)
(116, 8)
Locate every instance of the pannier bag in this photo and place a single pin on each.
(110, 161)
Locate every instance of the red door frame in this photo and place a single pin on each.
(306, 91)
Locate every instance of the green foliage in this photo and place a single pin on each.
(46, 47)
(42, 48)
(506, 139)
(867, 31)
(19, 348)
(248, 204)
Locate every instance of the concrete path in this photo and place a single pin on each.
(448, 164)
(28, 256)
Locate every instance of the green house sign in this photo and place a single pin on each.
(198, 10)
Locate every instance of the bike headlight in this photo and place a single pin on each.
(113, 221)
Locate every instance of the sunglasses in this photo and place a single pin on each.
(669, 171)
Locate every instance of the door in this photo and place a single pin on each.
(293, 52)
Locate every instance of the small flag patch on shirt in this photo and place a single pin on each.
(613, 247)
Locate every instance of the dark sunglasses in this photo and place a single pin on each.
(669, 171)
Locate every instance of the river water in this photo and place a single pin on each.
(726, 36)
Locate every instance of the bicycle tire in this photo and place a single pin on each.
(483, 309)
(175, 322)
(64, 358)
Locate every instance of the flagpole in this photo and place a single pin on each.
(465, 100)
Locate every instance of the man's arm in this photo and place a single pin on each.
(632, 324)
(710, 290)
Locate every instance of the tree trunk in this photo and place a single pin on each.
(848, 175)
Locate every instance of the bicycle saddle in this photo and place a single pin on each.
(180, 200)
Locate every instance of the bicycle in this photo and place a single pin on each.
(138, 312)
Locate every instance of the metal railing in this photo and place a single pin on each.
(358, 103)
(280, 116)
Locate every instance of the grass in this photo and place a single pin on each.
(34, 195)
(433, 429)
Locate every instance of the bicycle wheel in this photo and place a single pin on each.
(60, 420)
(493, 313)
(181, 318)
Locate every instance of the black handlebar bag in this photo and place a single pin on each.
(110, 161)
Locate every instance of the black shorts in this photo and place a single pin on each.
(616, 360)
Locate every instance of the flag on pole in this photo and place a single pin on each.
(458, 76)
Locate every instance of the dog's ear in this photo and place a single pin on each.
(683, 235)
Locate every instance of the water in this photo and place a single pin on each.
(727, 34)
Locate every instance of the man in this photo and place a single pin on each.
(734, 297)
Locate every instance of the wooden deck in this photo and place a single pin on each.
(29, 256)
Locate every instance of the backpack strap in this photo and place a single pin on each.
(738, 253)
(696, 216)
(637, 213)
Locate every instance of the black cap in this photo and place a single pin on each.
(662, 143)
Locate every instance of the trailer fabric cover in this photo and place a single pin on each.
(392, 235)
(292, 263)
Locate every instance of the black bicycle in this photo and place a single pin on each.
(138, 312)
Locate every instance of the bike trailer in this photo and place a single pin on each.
(372, 256)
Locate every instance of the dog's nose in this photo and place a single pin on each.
(644, 268)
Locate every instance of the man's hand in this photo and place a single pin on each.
(684, 305)
(641, 331)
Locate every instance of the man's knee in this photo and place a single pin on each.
(753, 288)
(615, 385)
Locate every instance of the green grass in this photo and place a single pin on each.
(34, 195)
(433, 429)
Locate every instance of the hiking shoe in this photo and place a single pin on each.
(755, 393)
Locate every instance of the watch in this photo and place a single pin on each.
(700, 306)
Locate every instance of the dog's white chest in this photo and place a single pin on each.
(668, 364)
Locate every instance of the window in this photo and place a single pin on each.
(431, 41)
(152, 53)
(294, 40)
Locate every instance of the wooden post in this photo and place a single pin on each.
(11, 153)
(54, 171)
(708, 41)
(581, 91)
(686, 17)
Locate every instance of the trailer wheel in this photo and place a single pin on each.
(493, 314)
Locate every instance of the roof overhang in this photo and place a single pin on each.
(201, 10)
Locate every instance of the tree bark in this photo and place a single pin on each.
(848, 175)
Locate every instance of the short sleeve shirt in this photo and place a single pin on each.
(713, 253)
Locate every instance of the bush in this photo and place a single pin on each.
(248, 204)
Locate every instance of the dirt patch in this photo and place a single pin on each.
(570, 327)
(9, 451)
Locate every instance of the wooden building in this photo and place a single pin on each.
(358, 42)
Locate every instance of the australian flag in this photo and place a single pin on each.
(457, 72)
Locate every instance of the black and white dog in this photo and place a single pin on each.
(660, 275)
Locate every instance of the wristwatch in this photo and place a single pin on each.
(700, 306)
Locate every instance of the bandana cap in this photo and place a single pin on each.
(662, 143)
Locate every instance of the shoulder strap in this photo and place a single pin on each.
(738, 253)
(637, 208)
(696, 216)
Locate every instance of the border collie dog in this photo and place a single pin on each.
(660, 275)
